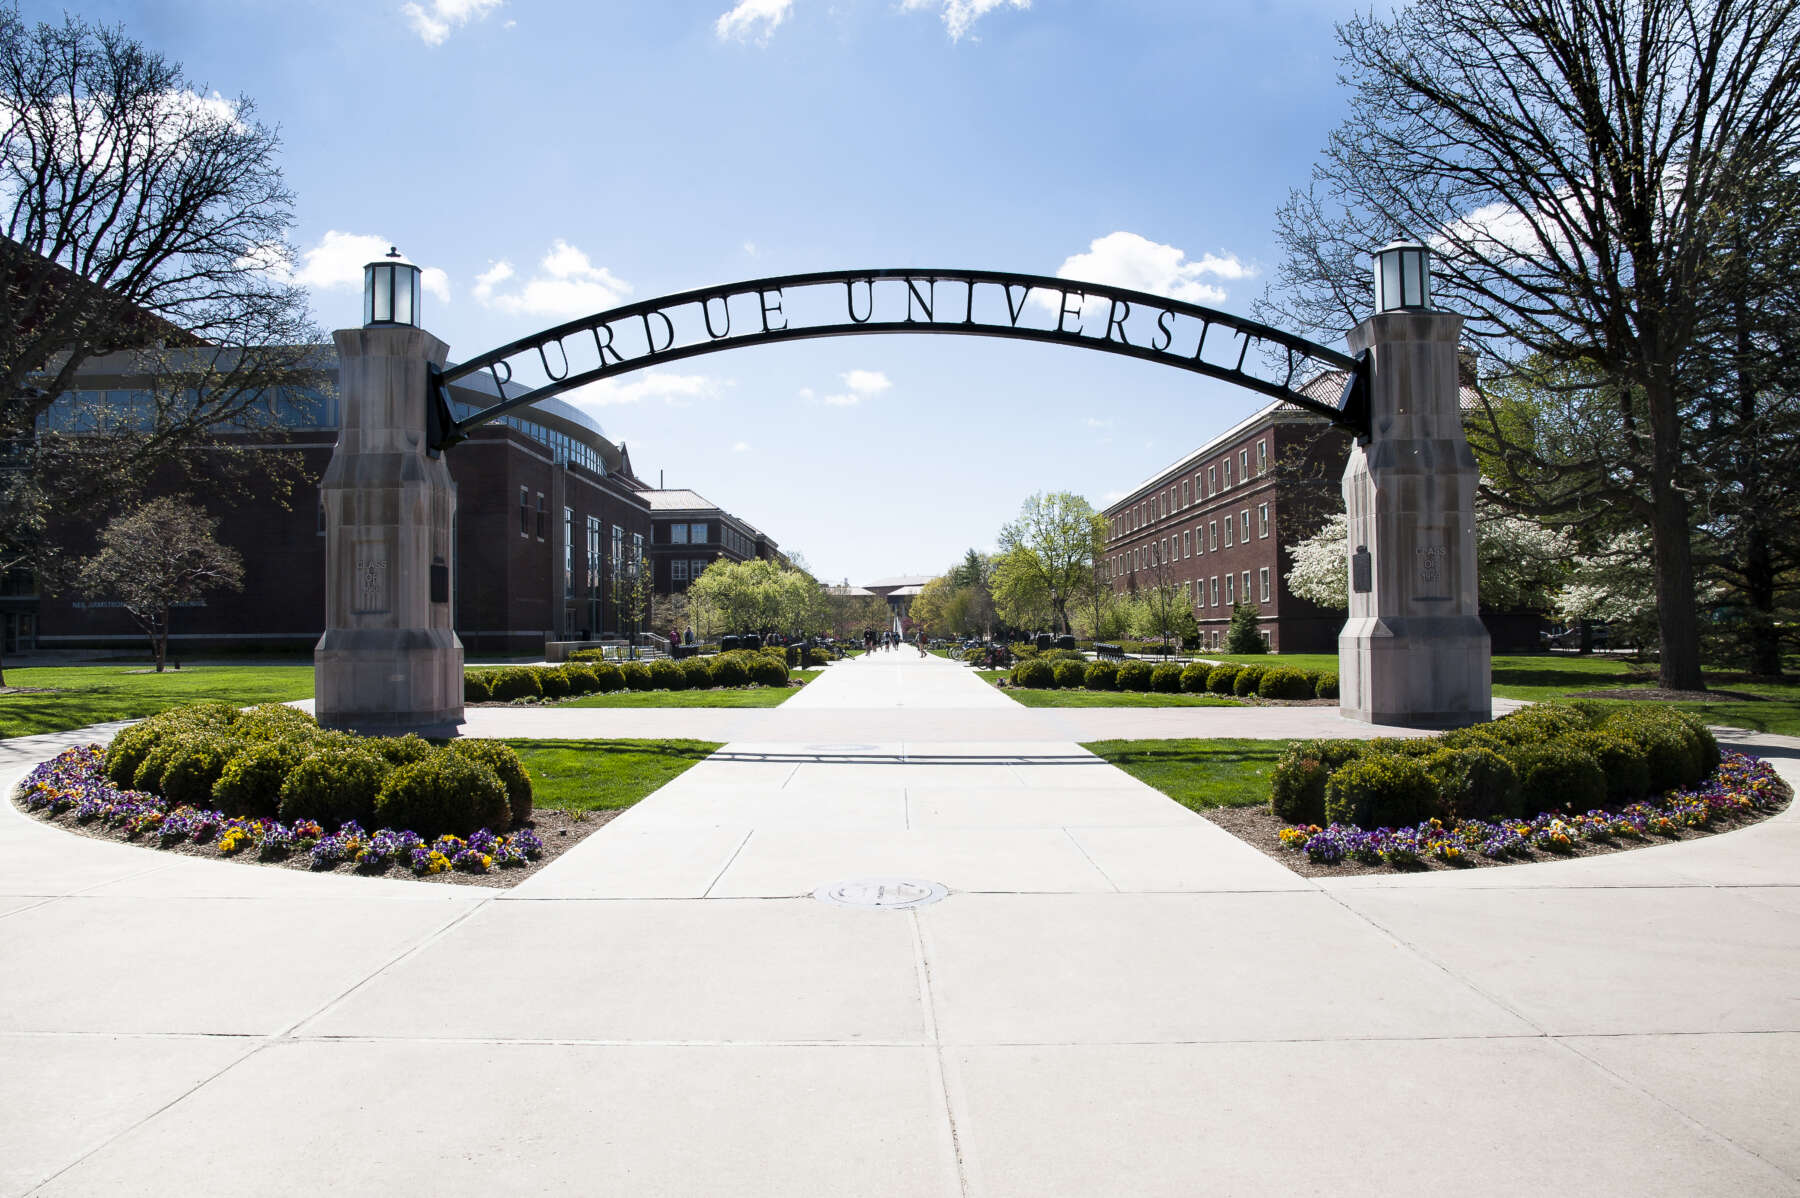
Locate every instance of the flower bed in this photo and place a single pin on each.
(74, 784)
(1743, 787)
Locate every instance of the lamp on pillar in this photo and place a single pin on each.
(390, 291)
(1403, 277)
(1413, 651)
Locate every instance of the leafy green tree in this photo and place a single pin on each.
(1049, 551)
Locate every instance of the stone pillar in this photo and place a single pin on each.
(389, 661)
(1414, 651)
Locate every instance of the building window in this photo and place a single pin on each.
(1212, 534)
(1262, 520)
(543, 518)
(1228, 474)
(637, 548)
(1184, 492)
(677, 534)
(698, 567)
(1187, 544)
(1215, 590)
(1246, 591)
(618, 550)
(1244, 525)
(1212, 479)
(568, 553)
(1230, 590)
(1262, 458)
(1244, 464)
(1227, 532)
(524, 512)
(697, 534)
(1262, 576)
(593, 571)
(680, 570)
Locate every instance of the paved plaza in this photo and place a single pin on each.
(1115, 998)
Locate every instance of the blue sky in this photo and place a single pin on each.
(548, 159)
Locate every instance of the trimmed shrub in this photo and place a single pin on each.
(698, 674)
(250, 784)
(1165, 679)
(729, 670)
(1284, 682)
(1056, 655)
(1101, 676)
(581, 679)
(665, 675)
(1248, 679)
(1297, 789)
(589, 655)
(554, 681)
(446, 793)
(517, 682)
(478, 686)
(1071, 674)
(1134, 676)
(1476, 784)
(1406, 746)
(1036, 674)
(1193, 678)
(607, 678)
(637, 676)
(273, 721)
(768, 670)
(498, 756)
(1557, 777)
(1222, 678)
(128, 750)
(163, 748)
(1539, 723)
(213, 714)
(817, 657)
(1678, 750)
(1380, 790)
(1327, 685)
(194, 767)
(336, 785)
(1622, 760)
(397, 750)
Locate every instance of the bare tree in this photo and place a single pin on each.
(1573, 163)
(159, 557)
(139, 217)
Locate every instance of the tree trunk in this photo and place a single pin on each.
(1678, 629)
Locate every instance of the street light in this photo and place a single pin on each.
(630, 571)
(390, 291)
(1402, 277)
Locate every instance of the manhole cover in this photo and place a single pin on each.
(889, 893)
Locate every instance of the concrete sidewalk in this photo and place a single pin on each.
(1114, 998)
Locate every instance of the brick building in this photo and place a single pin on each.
(1219, 524)
(548, 509)
(689, 532)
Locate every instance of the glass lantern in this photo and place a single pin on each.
(390, 291)
(1403, 277)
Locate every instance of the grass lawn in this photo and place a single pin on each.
(756, 696)
(1198, 773)
(76, 696)
(603, 775)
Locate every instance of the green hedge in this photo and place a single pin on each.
(1284, 682)
(1222, 679)
(1134, 676)
(1070, 674)
(1035, 674)
(1193, 678)
(1248, 679)
(1101, 676)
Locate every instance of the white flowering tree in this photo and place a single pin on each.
(1519, 562)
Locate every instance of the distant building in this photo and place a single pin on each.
(689, 532)
(899, 591)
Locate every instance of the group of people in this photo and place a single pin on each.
(889, 641)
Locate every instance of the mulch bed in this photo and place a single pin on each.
(559, 830)
(1257, 826)
(1658, 695)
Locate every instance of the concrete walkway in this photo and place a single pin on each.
(1115, 997)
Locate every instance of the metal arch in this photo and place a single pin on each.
(1295, 358)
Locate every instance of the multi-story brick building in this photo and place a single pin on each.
(689, 532)
(1219, 524)
(548, 513)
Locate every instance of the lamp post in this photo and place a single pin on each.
(390, 291)
(630, 570)
(1403, 277)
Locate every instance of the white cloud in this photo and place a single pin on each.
(806, 393)
(337, 262)
(861, 384)
(435, 20)
(567, 284)
(750, 248)
(741, 447)
(961, 15)
(1095, 423)
(752, 20)
(673, 390)
(1128, 260)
